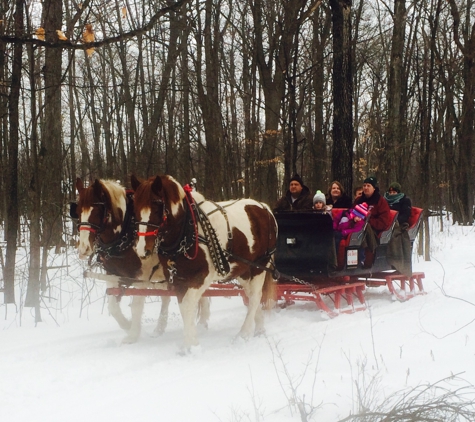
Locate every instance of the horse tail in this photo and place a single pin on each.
(269, 296)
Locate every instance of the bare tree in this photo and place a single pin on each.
(342, 151)
(12, 169)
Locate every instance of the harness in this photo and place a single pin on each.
(189, 237)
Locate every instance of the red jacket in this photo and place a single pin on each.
(380, 216)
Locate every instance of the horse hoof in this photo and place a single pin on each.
(260, 332)
(189, 350)
(157, 332)
(130, 339)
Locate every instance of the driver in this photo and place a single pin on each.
(297, 198)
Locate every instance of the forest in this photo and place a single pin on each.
(240, 95)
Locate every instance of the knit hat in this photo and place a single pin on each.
(319, 197)
(297, 178)
(372, 181)
(361, 210)
(395, 186)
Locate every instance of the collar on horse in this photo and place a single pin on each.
(126, 237)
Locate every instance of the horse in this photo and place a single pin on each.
(199, 242)
(107, 230)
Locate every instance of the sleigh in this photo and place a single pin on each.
(309, 268)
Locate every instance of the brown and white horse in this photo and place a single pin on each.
(199, 242)
(107, 228)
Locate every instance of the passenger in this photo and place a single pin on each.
(399, 202)
(319, 203)
(380, 216)
(336, 196)
(357, 192)
(297, 198)
(350, 221)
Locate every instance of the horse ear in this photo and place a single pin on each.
(157, 185)
(135, 182)
(97, 187)
(79, 185)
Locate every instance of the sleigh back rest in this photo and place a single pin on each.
(385, 235)
(337, 211)
(414, 222)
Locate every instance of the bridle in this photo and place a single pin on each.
(181, 245)
(94, 228)
(157, 227)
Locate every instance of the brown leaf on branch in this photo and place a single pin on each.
(61, 35)
(88, 36)
(40, 34)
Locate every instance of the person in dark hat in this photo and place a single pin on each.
(297, 198)
(399, 202)
(380, 216)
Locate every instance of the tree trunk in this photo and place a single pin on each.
(395, 138)
(33, 290)
(52, 146)
(342, 152)
(12, 171)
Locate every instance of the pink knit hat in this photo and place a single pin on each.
(361, 210)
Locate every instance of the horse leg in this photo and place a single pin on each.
(254, 317)
(188, 309)
(204, 311)
(136, 309)
(163, 318)
(113, 305)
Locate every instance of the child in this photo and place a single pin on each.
(350, 221)
(320, 203)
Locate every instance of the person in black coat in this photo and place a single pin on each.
(336, 196)
(297, 198)
(399, 202)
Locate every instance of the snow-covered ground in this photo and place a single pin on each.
(73, 367)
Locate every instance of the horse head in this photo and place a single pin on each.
(101, 209)
(159, 212)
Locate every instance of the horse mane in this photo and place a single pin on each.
(171, 190)
(116, 196)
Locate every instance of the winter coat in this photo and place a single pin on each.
(402, 204)
(380, 216)
(343, 201)
(345, 225)
(302, 203)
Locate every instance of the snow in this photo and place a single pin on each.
(73, 366)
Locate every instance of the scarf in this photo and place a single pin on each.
(393, 199)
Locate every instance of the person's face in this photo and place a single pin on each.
(391, 191)
(318, 205)
(335, 191)
(295, 188)
(368, 189)
(358, 193)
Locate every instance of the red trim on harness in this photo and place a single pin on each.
(154, 233)
(89, 229)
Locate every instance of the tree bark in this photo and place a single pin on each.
(342, 152)
(12, 171)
